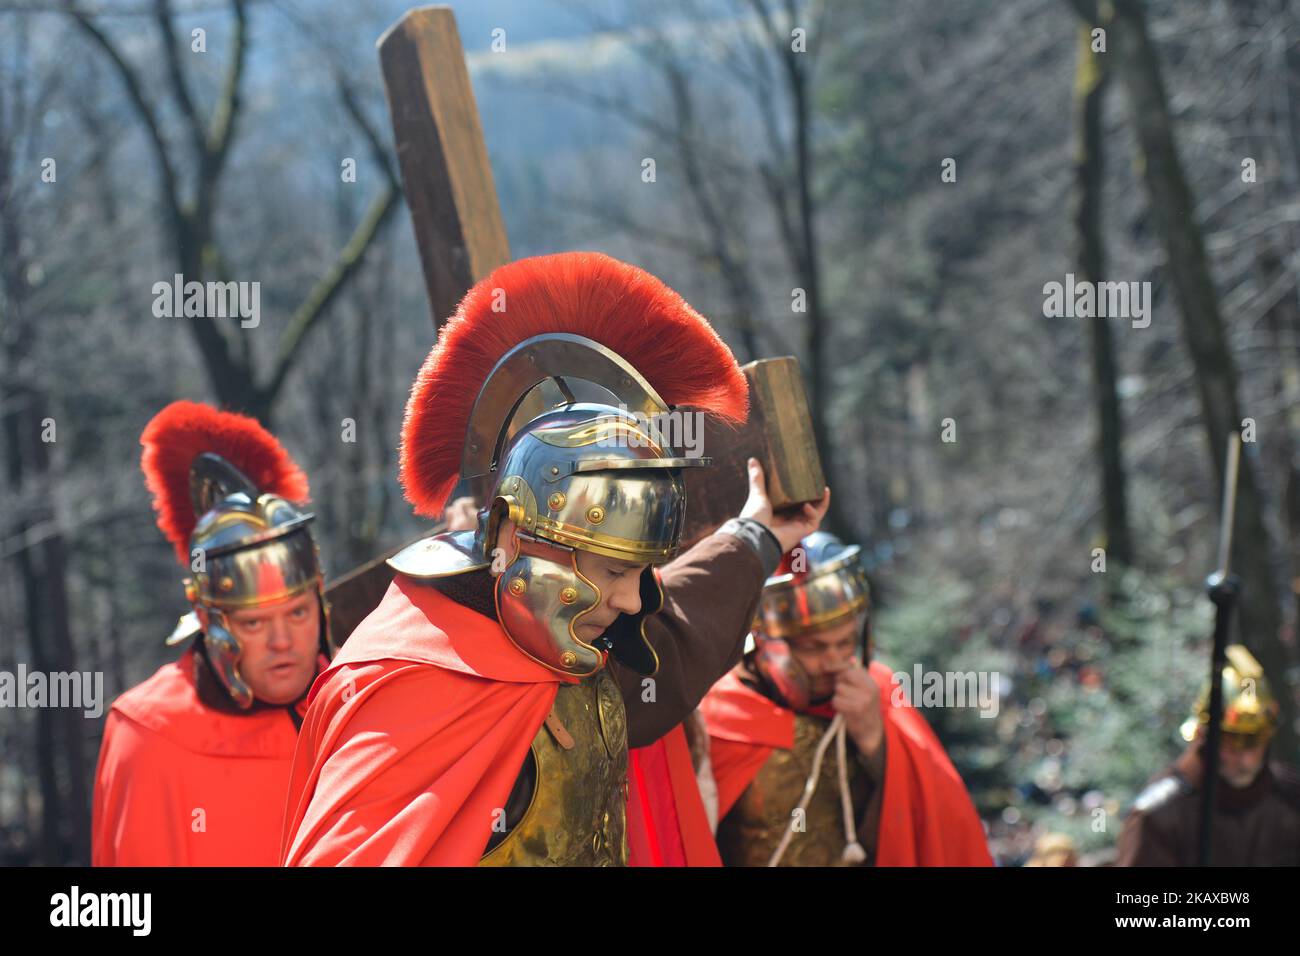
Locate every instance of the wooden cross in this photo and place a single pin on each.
(447, 180)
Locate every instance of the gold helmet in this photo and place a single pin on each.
(224, 490)
(819, 584)
(1250, 711)
(495, 407)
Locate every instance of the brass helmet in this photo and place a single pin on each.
(222, 487)
(1250, 711)
(595, 476)
(821, 583)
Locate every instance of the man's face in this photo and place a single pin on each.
(279, 643)
(1241, 760)
(824, 654)
(619, 583)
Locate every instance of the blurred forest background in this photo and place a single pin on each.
(1169, 157)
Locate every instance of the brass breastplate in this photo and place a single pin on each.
(577, 815)
(753, 829)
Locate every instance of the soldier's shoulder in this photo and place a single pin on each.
(164, 706)
(170, 687)
(1161, 793)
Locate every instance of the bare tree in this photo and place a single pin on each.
(32, 536)
(1091, 81)
(190, 219)
(1138, 64)
(769, 55)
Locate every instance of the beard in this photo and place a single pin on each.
(1240, 779)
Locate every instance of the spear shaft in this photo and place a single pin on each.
(1223, 589)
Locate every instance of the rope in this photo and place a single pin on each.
(853, 851)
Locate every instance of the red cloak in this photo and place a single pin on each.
(182, 784)
(415, 775)
(926, 816)
(666, 821)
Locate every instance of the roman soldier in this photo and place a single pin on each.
(815, 763)
(1257, 803)
(194, 762)
(483, 712)
(667, 820)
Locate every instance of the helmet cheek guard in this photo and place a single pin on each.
(540, 597)
(224, 652)
(786, 678)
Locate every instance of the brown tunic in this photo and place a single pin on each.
(1255, 826)
(710, 596)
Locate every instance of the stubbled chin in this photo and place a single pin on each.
(1239, 783)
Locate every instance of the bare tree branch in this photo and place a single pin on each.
(224, 116)
(382, 157)
(170, 195)
(323, 293)
(171, 54)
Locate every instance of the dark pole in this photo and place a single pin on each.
(1223, 589)
(1223, 592)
